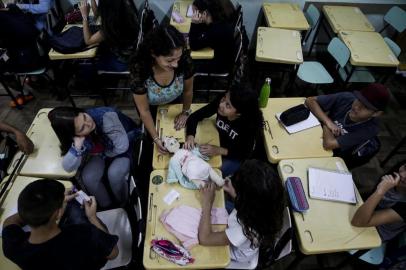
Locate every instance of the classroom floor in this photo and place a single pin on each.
(393, 128)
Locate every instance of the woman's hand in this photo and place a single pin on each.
(180, 120)
(84, 8)
(210, 150)
(208, 194)
(24, 143)
(78, 142)
(160, 146)
(229, 188)
(189, 143)
(387, 182)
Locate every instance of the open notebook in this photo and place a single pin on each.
(331, 185)
(310, 122)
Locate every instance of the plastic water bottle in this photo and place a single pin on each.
(264, 94)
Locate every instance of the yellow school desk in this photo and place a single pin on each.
(8, 207)
(285, 15)
(90, 53)
(206, 133)
(326, 226)
(278, 46)
(181, 7)
(279, 144)
(46, 160)
(346, 18)
(368, 49)
(205, 257)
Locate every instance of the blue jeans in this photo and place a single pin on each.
(229, 166)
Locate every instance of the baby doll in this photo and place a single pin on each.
(189, 166)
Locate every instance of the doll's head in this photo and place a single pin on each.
(171, 143)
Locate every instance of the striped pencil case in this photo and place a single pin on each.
(296, 194)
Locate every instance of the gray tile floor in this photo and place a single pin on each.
(393, 128)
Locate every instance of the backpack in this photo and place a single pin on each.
(69, 41)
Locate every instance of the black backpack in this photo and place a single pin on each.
(69, 41)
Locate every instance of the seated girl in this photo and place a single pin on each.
(97, 137)
(162, 73)
(239, 123)
(386, 207)
(211, 28)
(256, 190)
(118, 33)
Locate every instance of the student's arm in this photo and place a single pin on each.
(314, 107)
(73, 158)
(13, 220)
(87, 35)
(141, 101)
(42, 7)
(180, 119)
(367, 216)
(90, 210)
(206, 236)
(195, 118)
(24, 143)
(93, 5)
(115, 131)
(329, 140)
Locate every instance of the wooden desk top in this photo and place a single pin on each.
(54, 55)
(368, 49)
(285, 15)
(347, 18)
(203, 54)
(270, 42)
(326, 226)
(46, 160)
(279, 144)
(206, 133)
(205, 257)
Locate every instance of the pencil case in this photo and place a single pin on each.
(296, 194)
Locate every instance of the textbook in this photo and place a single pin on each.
(310, 122)
(331, 185)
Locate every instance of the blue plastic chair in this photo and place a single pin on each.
(393, 46)
(395, 17)
(312, 15)
(373, 256)
(314, 72)
(347, 72)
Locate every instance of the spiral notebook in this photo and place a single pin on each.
(331, 185)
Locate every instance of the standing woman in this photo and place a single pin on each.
(161, 72)
(97, 137)
(211, 27)
(239, 123)
(118, 33)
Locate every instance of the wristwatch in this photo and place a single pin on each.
(187, 112)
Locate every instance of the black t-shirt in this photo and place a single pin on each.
(236, 136)
(76, 247)
(400, 208)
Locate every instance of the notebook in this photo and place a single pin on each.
(189, 12)
(331, 185)
(310, 122)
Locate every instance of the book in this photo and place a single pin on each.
(310, 122)
(331, 185)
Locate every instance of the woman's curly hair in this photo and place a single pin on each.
(260, 202)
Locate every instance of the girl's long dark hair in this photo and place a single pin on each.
(161, 42)
(220, 10)
(245, 100)
(260, 202)
(62, 122)
(119, 23)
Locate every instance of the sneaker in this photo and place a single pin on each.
(22, 99)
